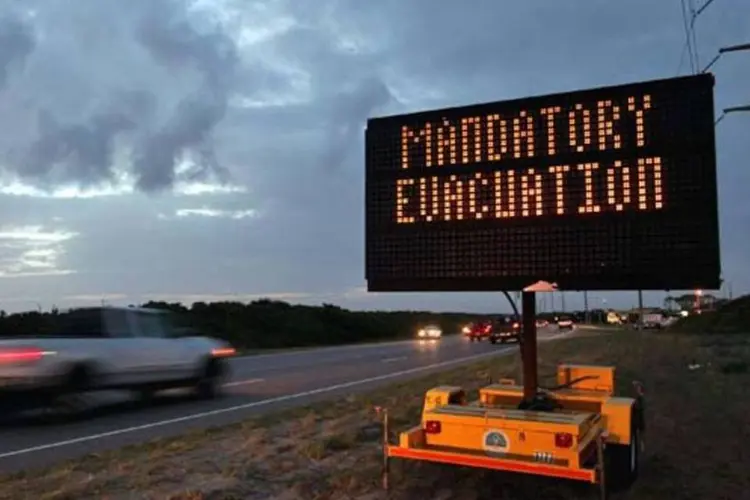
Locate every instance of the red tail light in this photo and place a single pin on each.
(515, 325)
(16, 355)
(563, 440)
(223, 352)
(432, 427)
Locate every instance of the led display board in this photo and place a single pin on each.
(605, 189)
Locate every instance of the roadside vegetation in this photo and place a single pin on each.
(730, 317)
(697, 410)
(270, 324)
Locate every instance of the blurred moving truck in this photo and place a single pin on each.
(104, 348)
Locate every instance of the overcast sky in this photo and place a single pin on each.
(212, 149)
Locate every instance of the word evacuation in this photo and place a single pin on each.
(530, 193)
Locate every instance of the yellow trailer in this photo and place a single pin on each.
(579, 430)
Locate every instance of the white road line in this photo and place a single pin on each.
(393, 360)
(243, 382)
(256, 404)
(333, 348)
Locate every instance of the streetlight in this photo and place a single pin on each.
(733, 109)
(724, 50)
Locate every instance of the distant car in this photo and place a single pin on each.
(479, 330)
(430, 332)
(542, 323)
(565, 323)
(652, 321)
(507, 329)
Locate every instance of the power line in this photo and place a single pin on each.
(688, 36)
(682, 58)
(693, 17)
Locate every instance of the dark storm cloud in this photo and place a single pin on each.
(80, 152)
(16, 43)
(348, 112)
(177, 75)
(175, 43)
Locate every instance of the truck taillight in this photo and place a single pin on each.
(432, 427)
(18, 355)
(223, 352)
(563, 439)
(515, 325)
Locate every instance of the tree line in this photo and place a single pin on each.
(269, 324)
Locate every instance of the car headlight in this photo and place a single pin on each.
(466, 329)
(421, 333)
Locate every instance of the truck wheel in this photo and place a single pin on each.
(209, 381)
(145, 395)
(69, 402)
(622, 462)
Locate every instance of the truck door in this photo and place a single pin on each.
(165, 355)
(124, 355)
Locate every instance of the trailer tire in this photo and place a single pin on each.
(622, 461)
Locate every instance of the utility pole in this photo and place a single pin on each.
(732, 48)
(586, 307)
(734, 109)
(640, 308)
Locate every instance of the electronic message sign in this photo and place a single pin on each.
(605, 189)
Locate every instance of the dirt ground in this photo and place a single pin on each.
(697, 430)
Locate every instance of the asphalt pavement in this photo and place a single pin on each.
(258, 383)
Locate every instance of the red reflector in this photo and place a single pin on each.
(563, 440)
(20, 355)
(432, 427)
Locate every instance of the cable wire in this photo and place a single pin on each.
(693, 17)
(688, 36)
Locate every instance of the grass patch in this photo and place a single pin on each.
(697, 411)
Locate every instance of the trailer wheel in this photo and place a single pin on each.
(622, 461)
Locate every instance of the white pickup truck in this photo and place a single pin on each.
(105, 348)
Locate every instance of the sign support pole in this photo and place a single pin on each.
(586, 316)
(640, 308)
(528, 346)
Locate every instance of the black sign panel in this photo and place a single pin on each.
(605, 189)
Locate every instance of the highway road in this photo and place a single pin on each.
(257, 384)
